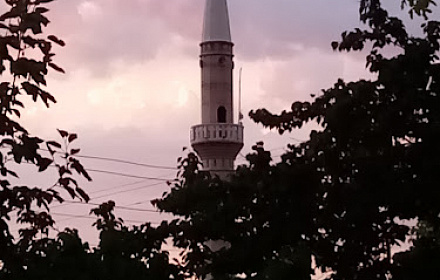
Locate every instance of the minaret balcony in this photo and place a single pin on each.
(217, 133)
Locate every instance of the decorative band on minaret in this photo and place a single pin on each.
(217, 140)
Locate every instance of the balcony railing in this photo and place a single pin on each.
(217, 132)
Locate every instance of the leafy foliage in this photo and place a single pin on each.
(341, 197)
(122, 253)
(338, 199)
(232, 228)
(21, 31)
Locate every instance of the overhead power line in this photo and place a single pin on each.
(94, 218)
(68, 202)
(128, 162)
(129, 190)
(127, 175)
(116, 206)
(118, 192)
(74, 216)
(118, 186)
(119, 174)
(139, 202)
(155, 166)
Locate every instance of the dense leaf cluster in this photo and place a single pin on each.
(345, 197)
(232, 228)
(134, 253)
(339, 202)
(25, 57)
(122, 253)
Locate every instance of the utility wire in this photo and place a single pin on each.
(121, 161)
(126, 175)
(139, 202)
(128, 162)
(118, 186)
(116, 206)
(67, 202)
(109, 194)
(93, 218)
(129, 190)
(72, 217)
(126, 207)
(172, 249)
(119, 174)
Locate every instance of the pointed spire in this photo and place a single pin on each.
(216, 23)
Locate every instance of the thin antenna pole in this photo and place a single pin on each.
(240, 115)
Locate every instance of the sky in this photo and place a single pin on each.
(132, 85)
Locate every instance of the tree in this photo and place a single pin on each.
(247, 214)
(25, 58)
(123, 253)
(342, 196)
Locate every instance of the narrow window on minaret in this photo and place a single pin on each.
(221, 61)
(221, 114)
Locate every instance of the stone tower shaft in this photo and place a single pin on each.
(217, 140)
(216, 62)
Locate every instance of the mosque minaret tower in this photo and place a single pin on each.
(217, 140)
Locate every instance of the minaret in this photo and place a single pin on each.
(217, 140)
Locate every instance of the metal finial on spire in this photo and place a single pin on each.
(216, 22)
(240, 115)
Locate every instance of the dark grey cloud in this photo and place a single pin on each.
(279, 29)
(135, 30)
(99, 32)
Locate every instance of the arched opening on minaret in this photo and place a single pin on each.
(221, 61)
(221, 114)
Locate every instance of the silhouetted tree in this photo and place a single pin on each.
(23, 74)
(259, 217)
(122, 253)
(343, 196)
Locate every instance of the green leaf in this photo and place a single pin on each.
(35, 91)
(33, 21)
(20, 67)
(31, 41)
(56, 67)
(63, 133)
(54, 144)
(70, 190)
(56, 40)
(74, 151)
(72, 137)
(41, 10)
(83, 194)
(45, 47)
(14, 12)
(42, 1)
(44, 163)
(12, 173)
(75, 164)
